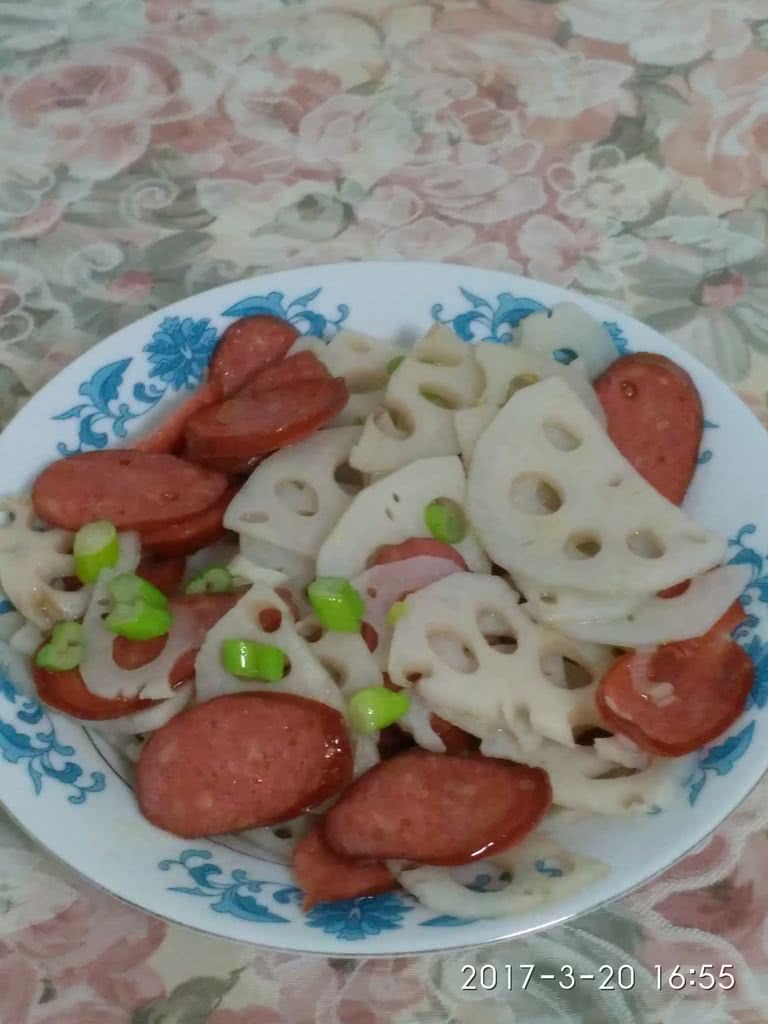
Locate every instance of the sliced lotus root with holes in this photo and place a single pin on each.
(299, 569)
(390, 511)
(293, 498)
(570, 332)
(478, 660)
(345, 656)
(32, 561)
(262, 616)
(363, 362)
(657, 620)
(555, 606)
(415, 420)
(248, 570)
(594, 778)
(551, 498)
(469, 424)
(528, 886)
(507, 369)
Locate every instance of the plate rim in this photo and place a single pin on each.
(514, 282)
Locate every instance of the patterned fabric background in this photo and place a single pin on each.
(150, 150)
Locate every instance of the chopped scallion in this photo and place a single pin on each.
(445, 520)
(138, 620)
(128, 587)
(216, 580)
(64, 650)
(248, 659)
(376, 707)
(96, 547)
(337, 604)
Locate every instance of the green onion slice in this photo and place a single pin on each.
(64, 650)
(216, 580)
(248, 659)
(138, 620)
(96, 547)
(376, 707)
(393, 364)
(337, 604)
(128, 587)
(446, 521)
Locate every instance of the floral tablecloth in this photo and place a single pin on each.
(149, 150)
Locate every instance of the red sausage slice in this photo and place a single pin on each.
(164, 573)
(248, 346)
(134, 490)
(168, 435)
(415, 547)
(190, 535)
(242, 761)
(710, 676)
(325, 876)
(66, 691)
(244, 427)
(296, 369)
(233, 467)
(655, 419)
(437, 808)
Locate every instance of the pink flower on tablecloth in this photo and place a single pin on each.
(474, 190)
(133, 286)
(389, 206)
(93, 112)
(382, 988)
(563, 92)
(732, 906)
(427, 235)
(360, 137)
(479, 121)
(19, 986)
(606, 188)
(269, 98)
(85, 1012)
(252, 1015)
(308, 991)
(724, 138)
(471, 41)
(99, 942)
(667, 32)
(564, 252)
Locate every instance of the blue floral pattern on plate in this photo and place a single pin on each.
(178, 353)
(236, 895)
(349, 920)
(488, 320)
(30, 740)
(705, 454)
(358, 919)
(720, 759)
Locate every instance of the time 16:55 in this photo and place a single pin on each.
(703, 976)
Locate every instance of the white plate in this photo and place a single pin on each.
(63, 789)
